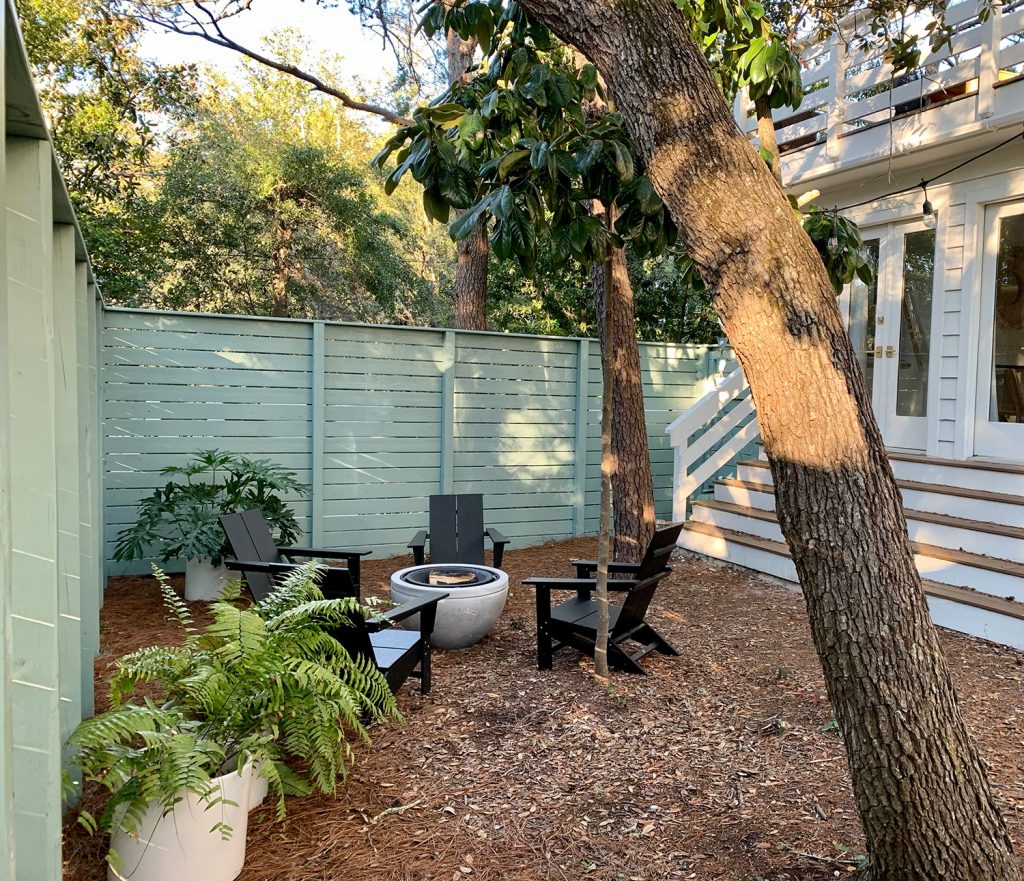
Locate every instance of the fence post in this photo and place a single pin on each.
(579, 511)
(448, 413)
(316, 464)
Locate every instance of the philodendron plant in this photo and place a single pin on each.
(180, 521)
(262, 684)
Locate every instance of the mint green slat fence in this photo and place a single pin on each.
(376, 419)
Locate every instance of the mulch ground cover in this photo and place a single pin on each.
(722, 763)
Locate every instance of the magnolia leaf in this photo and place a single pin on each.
(539, 155)
(466, 222)
(587, 157)
(510, 159)
(471, 129)
(435, 205)
(446, 114)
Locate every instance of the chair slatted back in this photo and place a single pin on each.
(653, 568)
(355, 637)
(261, 585)
(660, 549)
(638, 600)
(457, 529)
(262, 537)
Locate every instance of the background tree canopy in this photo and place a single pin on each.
(256, 195)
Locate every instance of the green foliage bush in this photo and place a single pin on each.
(181, 519)
(264, 682)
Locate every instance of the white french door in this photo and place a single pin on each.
(890, 326)
(999, 419)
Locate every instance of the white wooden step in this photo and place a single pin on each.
(956, 608)
(986, 506)
(976, 474)
(939, 530)
(982, 474)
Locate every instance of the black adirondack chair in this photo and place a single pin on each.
(251, 541)
(457, 532)
(397, 653)
(574, 623)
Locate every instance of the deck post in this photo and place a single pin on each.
(836, 106)
(579, 509)
(316, 508)
(988, 62)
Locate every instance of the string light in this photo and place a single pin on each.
(927, 211)
(833, 239)
(923, 185)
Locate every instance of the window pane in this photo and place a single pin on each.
(1007, 400)
(915, 323)
(863, 306)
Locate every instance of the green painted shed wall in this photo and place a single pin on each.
(50, 500)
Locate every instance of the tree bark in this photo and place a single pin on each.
(920, 785)
(471, 280)
(473, 251)
(633, 489)
(280, 303)
(604, 523)
(766, 136)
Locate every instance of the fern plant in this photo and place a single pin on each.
(181, 520)
(263, 681)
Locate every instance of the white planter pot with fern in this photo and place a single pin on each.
(203, 580)
(199, 839)
(260, 787)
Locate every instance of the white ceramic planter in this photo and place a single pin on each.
(259, 789)
(182, 844)
(465, 616)
(204, 581)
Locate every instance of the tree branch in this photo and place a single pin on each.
(219, 38)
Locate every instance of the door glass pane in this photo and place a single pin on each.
(863, 309)
(915, 323)
(1007, 399)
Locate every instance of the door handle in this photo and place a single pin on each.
(890, 351)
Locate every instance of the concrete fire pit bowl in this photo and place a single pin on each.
(476, 596)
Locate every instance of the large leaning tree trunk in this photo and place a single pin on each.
(471, 271)
(633, 490)
(920, 785)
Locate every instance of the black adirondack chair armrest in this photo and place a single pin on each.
(426, 608)
(499, 541)
(577, 583)
(585, 567)
(327, 553)
(330, 584)
(267, 568)
(417, 545)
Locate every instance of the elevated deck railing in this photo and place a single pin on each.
(709, 437)
(849, 90)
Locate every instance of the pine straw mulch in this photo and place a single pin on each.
(721, 764)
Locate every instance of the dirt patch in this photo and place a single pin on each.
(722, 763)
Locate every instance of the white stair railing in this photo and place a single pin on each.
(709, 436)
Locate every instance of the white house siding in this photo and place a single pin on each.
(960, 199)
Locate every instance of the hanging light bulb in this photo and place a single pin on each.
(833, 239)
(929, 216)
